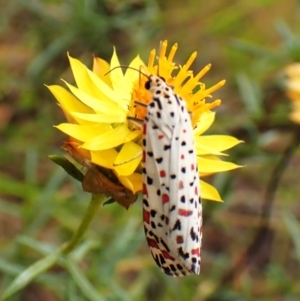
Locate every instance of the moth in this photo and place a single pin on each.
(172, 209)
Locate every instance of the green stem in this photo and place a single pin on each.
(47, 262)
(95, 202)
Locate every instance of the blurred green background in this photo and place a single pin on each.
(251, 246)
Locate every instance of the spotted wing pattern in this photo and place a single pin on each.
(171, 194)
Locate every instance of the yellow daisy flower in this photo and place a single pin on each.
(97, 112)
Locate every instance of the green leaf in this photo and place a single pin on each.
(68, 166)
(30, 273)
(250, 95)
(85, 286)
(294, 229)
(108, 202)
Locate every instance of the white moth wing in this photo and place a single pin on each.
(173, 190)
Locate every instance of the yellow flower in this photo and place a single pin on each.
(97, 112)
(292, 81)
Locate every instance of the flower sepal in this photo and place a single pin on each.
(68, 166)
(98, 179)
(101, 180)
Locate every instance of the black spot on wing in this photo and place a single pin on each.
(182, 254)
(165, 245)
(150, 154)
(149, 180)
(159, 160)
(194, 235)
(177, 99)
(153, 213)
(173, 208)
(158, 102)
(177, 225)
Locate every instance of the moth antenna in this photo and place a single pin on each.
(127, 67)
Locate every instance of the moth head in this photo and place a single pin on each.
(154, 82)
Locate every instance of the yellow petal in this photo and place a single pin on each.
(295, 117)
(70, 118)
(117, 77)
(99, 117)
(100, 105)
(100, 68)
(293, 95)
(204, 123)
(104, 158)
(203, 93)
(81, 77)
(131, 75)
(81, 132)
(209, 192)
(67, 100)
(183, 74)
(133, 182)
(108, 94)
(202, 149)
(192, 83)
(294, 85)
(132, 135)
(208, 166)
(109, 139)
(292, 71)
(89, 83)
(214, 144)
(128, 159)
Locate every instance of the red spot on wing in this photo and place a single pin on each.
(167, 255)
(145, 191)
(184, 212)
(196, 190)
(144, 129)
(165, 198)
(179, 239)
(167, 220)
(192, 167)
(152, 243)
(180, 185)
(162, 173)
(160, 137)
(146, 215)
(144, 157)
(182, 156)
(196, 252)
